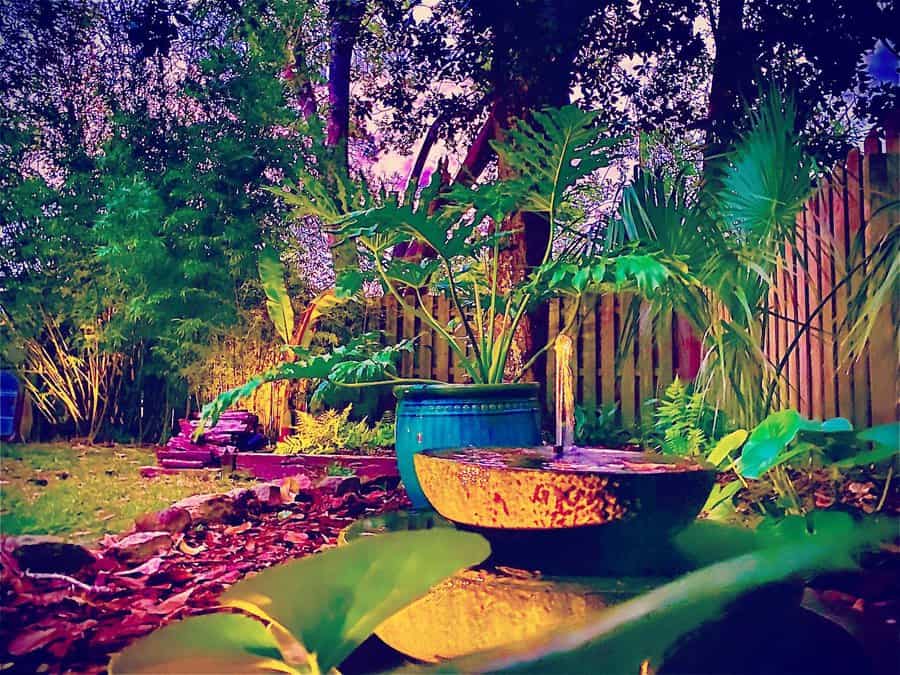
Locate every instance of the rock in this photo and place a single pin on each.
(385, 483)
(349, 485)
(242, 498)
(300, 481)
(49, 555)
(268, 494)
(330, 483)
(141, 546)
(173, 520)
(291, 485)
(209, 508)
(340, 485)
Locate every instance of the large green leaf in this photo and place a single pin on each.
(215, 643)
(333, 601)
(719, 498)
(622, 638)
(832, 425)
(767, 441)
(887, 435)
(886, 438)
(726, 445)
(278, 302)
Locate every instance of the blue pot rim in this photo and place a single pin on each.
(469, 391)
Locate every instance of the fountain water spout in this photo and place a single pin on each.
(565, 393)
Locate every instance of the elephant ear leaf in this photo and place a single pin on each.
(215, 643)
(278, 302)
(767, 442)
(332, 601)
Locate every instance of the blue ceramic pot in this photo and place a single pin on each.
(438, 416)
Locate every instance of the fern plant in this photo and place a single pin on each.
(333, 431)
(684, 423)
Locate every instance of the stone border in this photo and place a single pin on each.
(268, 466)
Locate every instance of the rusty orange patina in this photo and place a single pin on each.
(536, 488)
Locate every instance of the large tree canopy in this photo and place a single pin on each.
(138, 138)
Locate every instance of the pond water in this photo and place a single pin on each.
(573, 460)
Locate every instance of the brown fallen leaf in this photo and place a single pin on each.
(296, 537)
(238, 529)
(31, 640)
(174, 603)
(150, 567)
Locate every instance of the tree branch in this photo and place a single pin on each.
(479, 154)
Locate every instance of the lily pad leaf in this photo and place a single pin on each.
(763, 449)
(214, 643)
(332, 601)
(879, 454)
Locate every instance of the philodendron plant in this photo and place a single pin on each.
(461, 232)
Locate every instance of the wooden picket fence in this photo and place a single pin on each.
(818, 380)
(853, 207)
(663, 348)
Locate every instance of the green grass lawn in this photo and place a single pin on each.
(81, 492)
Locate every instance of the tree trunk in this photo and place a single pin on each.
(301, 84)
(345, 17)
(732, 74)
(530, 73)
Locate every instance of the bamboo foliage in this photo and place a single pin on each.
(72, 372)
(235, 359)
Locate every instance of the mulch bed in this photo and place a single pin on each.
(74, 623)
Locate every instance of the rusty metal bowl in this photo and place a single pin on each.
(584, 511)
(539, 489)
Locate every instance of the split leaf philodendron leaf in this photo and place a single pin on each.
(332, 601)
(214, 643)
(278, 302)
(645, 629)
(767, 441)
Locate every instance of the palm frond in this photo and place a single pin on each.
(768, 174)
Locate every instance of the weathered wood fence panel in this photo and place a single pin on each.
(858, 196)
(841, 223)
(639, 374)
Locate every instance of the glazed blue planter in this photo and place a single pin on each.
(438, 416)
